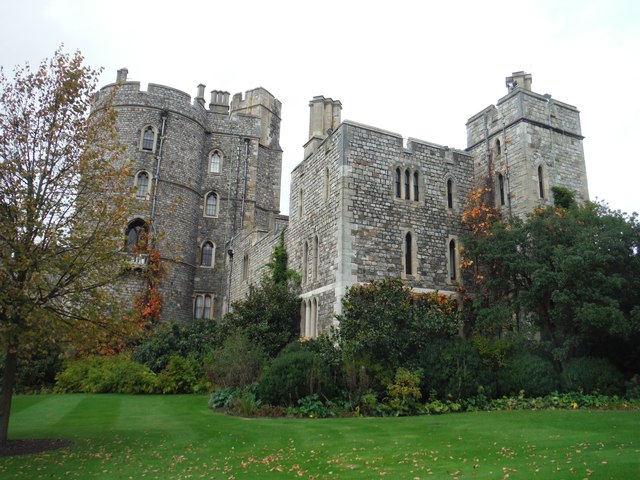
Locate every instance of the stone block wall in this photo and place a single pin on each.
(347, 223)
(343, 200)
(247, 186)
(252, 251)
(524, 132)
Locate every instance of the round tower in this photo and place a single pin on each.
(201, 174)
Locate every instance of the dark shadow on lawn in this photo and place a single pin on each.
(32, 446)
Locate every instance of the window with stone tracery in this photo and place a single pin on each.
(148, 139)
(215, 162)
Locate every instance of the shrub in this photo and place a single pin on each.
(295, 373)
(356, 378)
(533, 375)
(182, 375)
(96, 374)
(311, 406)
(237, 363)
(404, 392)
(438, 406)
(389, 324)
(222, 398)
(269, 317)
(368, 405)
(454, 370)
(632, 387)
(196, 339)
(592, 375)
(244, 403)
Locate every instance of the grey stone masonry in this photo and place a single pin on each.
(534, 142)
(213, 173)
(365, 204)
(348, 224)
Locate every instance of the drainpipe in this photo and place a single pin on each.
(164, 116)
(506, 162)
(244, 189)
(551, 139)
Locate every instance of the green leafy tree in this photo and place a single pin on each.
(573, 272)
(270, 315)
(387, 324)
(563, 198)
(61, 214)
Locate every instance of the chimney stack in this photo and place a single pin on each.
(200, 96)
(219, 101)
(324, 118)
(519, 80)
(121, 77)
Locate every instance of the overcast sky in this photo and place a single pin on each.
(417, 68)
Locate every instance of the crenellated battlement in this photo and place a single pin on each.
(161, 96)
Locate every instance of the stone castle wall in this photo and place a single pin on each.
(533, 131)
(343, 200)
(354, 216)
(178, 166)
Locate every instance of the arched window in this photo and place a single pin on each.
(198, 307)
(407, 191)
(305, 261)
(148, 139)
(303, 318)
(245, 267)
(416, 187)
(207, 254)
(408, 255)
(215, 161)
(203, 307)
(301, 205)
(450, 193)
(540, 182)
(326, 184)
(309, 318)
(135, 234)
(501, 188)
(452, 260)
(142, 184)
(206, 314)
(211, 205)
(398, 184)
(314, 318)
(498, 147)
(316, 255)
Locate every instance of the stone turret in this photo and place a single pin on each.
(324, 118)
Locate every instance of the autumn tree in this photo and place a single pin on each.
(478, 219)
(61, 214)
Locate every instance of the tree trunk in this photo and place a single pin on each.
(8, 382)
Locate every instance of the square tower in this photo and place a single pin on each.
(525, 145)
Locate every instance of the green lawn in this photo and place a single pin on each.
(177, 437)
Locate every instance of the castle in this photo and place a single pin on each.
(365, 204)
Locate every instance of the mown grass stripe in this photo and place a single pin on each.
(177, 437)
(33, 410)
